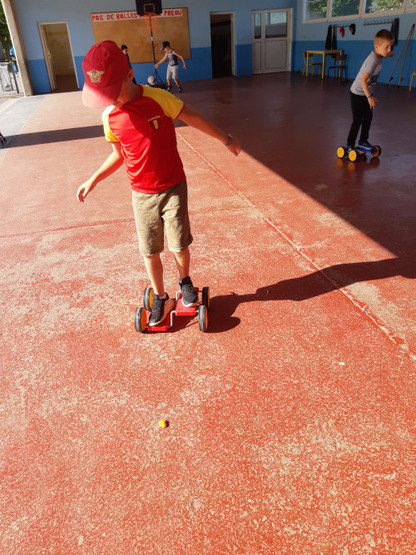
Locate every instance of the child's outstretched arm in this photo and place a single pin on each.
(180, 57)
(110, 165)
(165, 57)
(198, 121)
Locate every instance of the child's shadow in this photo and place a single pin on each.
(306, 287)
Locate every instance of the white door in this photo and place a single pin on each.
(48, 56)
(271, 40)
(57, 49)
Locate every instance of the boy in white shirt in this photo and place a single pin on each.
(362, 96)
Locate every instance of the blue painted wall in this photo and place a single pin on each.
(306, 36)
(77, 14)
(312, 35)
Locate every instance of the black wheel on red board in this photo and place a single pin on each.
(148, 298)
(140, 319)
(206, 298)
(203, 318)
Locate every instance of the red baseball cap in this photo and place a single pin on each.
(104, 67)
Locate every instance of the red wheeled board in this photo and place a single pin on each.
(141, 315)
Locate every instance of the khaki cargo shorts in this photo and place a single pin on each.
(159, 213)
(172, 71)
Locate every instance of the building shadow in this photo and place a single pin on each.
(54, 136)
(294, 125)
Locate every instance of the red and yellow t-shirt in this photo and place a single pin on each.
(145, 131)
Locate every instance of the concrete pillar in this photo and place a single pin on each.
(18, 44)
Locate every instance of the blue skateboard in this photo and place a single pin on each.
(358, 152)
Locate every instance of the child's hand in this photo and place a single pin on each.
(185, 66)
(84, 190)
(372, 102)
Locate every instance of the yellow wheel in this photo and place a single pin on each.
(353, 155)
(140, 319)
(203, 318)
(340, 152)
(148, 298)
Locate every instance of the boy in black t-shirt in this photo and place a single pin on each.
(173, 66)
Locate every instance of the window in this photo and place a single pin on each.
(257, 26)
(276, 24)
(327, 9)
(315, 9)
(342, 8)
(372, 6)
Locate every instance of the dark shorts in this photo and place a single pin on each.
(162, 213)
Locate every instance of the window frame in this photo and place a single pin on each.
(361, 12)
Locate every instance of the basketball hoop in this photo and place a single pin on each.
(145, 8)
(151, 19)
(149, 11)
(149, 23)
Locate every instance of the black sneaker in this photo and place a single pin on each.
(158, 310)
(180, 89)
(189, 295)
(168, 88)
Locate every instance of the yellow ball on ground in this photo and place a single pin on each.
(163, 423)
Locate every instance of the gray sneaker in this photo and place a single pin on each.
(158, 310)
(189, 295)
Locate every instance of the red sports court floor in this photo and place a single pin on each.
(292, 421)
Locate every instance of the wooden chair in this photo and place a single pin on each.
(411, 80)
(309, 63)
(340, 66)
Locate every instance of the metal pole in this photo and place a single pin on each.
(406, 44)
(157, 76)
(405, 54)
(151, 38)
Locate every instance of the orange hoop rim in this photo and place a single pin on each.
(149, 21)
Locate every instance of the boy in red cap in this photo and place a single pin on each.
(138, 124)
